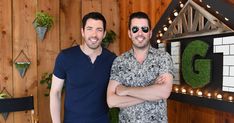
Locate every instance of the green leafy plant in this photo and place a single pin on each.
(43, 19)
(3, 96)
(109, 38)
(46, 79)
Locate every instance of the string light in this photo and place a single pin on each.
(183, 91)
(226, 19)
(176, 89)
(165, 28)
(181, 5)
(191, 92)
(208, 6)
(209, 95)
(160, 34)
(169, 21)
(158, 41)
(175, 13)
(230, 98)
(219, 96)
(216, 12)
(199, 93)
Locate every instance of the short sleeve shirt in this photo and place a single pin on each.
(129, 72)
(85, 85)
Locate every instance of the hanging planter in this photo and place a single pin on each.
(42, 23)
(3, 95)
(22, 63)
(22, 67)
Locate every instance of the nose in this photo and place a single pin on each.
(94, 33)
(140, 32)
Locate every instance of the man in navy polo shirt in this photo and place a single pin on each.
(85, 71)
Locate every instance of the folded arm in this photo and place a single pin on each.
(161, 89)
(114, 100)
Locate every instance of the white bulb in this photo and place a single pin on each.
(165, 28)
(175, 14)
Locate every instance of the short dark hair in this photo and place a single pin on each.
(95, 16)
(139, 15)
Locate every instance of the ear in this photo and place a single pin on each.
(150, 33)
(104, 35)
(129, 34)
(82, 32)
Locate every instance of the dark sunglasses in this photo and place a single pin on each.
(135, 29)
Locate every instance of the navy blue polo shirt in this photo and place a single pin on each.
(85, 85)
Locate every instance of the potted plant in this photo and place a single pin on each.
(22, 67)
(109, 38)
(4, 96)
(42, 23)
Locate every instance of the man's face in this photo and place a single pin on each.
(139, 33)
(93, 33)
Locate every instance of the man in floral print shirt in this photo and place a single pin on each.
(141, 79)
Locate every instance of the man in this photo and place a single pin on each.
(85, 71)
(141, 79)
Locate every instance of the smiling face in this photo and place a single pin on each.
(93, 33)
(139, 33)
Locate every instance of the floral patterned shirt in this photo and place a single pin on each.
(129, 72)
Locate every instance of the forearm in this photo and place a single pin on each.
(122, 101)
(55, 107)
(150, 93)
(161, 89)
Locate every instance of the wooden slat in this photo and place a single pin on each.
(111, 12)
(91, 5)
(190, 18)
(136, 5)
(70, 22)
(144, 6)
(196, 19)
(47, 52)
(24, 38)
(124, 13)
(153, 6)
(6, 80)
(184, 23)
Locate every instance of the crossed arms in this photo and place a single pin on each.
(122, 96)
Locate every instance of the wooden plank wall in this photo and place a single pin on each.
(17, 34)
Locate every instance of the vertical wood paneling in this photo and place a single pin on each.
(47, 52)
(91, 5)
(17, 33)
(111, 12)
(124, 13)
(24, 38)
(153, 10)
(6, 50)
(70, 23)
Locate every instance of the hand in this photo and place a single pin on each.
(121, 90)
